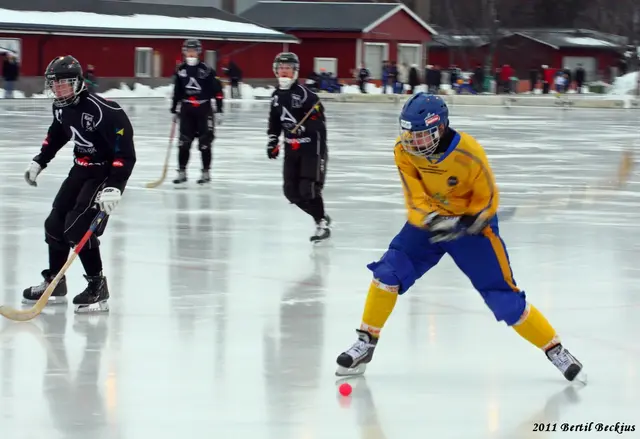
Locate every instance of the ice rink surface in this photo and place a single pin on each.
(225, 322)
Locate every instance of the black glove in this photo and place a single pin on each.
(173, 110)
(273, 149)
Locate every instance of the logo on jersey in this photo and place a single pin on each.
(296, 101)
(58, 114)
(193, 85)
(203, 73)
(82, 145)
(88, 123)
(182, 73)
(288, 121)
(452, 181)
(275, 101)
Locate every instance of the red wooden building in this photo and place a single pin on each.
(133, 40)
(338, 36)
(527, 49)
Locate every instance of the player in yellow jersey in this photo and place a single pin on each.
(452, 202)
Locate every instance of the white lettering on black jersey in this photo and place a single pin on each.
(288, 107)
(101, 133)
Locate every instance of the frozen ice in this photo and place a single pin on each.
(226, 323)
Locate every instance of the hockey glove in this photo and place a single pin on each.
(448, 228)
(32, 172)
(108, 198)
(273, 149)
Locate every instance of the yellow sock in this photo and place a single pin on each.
(380, 302)
(536, 329)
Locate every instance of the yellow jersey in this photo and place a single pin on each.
(457, 182)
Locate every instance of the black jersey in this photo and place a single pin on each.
(197, 85)
(289, 107)
(102, 135)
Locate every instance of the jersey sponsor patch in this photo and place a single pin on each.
(118, 164)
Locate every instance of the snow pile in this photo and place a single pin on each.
(625, 85)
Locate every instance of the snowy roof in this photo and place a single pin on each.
(127, 19)
(555, 38)
(326, 16)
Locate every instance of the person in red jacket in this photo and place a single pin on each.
(505, 78)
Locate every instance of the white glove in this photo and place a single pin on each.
(108, 198)
(31, 173)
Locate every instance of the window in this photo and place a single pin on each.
(410, 54)
(374, 55)
(143, 62)
(330, 65)
(211, 58)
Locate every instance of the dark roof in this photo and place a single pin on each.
(167, 20)
(555, 38)
(323, 16)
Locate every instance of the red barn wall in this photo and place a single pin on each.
(341, 46)
(115, 57)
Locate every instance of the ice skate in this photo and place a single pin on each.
(354, 360)
(94, 298)
(32, 294)
(206, 177)
(323, 231)
(181, 179)
(566, 363)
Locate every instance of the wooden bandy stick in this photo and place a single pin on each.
(29, 314)
(166, 159)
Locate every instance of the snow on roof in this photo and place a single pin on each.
(138, 22)
(588, 41)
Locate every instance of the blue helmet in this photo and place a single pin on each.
(423, 120)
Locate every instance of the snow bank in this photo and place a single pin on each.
(625, 85)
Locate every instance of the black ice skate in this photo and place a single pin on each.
(323, 231)
(181, 179)
(32, 294)
(354, 360)
(94, 298)
(566, 363)
(206, 177)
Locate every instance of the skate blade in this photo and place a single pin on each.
(581, 378)
(350, 372)
(52, 301)
(93, 308)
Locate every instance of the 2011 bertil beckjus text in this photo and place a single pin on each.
(618, 427)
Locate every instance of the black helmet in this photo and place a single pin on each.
(286, 58)
(64, 80)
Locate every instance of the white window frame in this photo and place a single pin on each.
(208, 54)
(420, 48)
(319, 58)
(149, 63)
(385, 53)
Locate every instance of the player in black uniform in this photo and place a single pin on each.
(195, 86)
(306, 155)
(104, 157)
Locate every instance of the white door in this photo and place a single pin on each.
(589, 64)
(330, 65)
(373, 57)
(409, 55)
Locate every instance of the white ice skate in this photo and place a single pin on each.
(354, 360)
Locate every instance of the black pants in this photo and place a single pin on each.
(195, 121)
(72, 213)
(305, 169)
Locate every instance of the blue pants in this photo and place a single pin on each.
(483, 258)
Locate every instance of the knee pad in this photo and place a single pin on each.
(54, 230)
(77, 224)
(291, 192)
(506, 306)
(307, 189)
(185, 141)
(394, 268)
